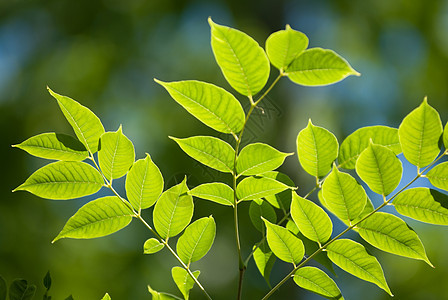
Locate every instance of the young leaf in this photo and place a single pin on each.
(63, 180)
(259, 208)
(197, 240)
(343, 195)
(317, 67)
(216, 191)
(312, 221)
(354, 259)
(106, 297)
(116, 154)
(419, 134)
(161, 296)
(183, 280)
(316, 281)
(210, 151)
(47, 281)
(359, 140)
(423, 204)
(281, 200)
(152, 245)
(97, 218)
(85, 123)
(251, 188)
(379, 168)
(317, 148)
(242, 61)
(3, 288)
(212, 105)
(144, 183)
(284, 244)
(283, 46)
(54, 146)
(259, 158)
(173, 211)
(20, 290)
(438, 176)
(264, 259)
(391, 234)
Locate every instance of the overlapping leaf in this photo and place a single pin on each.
(258, 187)
(63, 180)
(316, 281)
(258, 158)
(217, 192)
(97, 218)
(21, 290)
(438, 176)
(264, 259)
(183, 280)
(259, 208)
(281, 200)
(161, 296)
(212, 105)
(152, 245)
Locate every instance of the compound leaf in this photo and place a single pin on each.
(144, 183)
(283, 46)
(197, 240)
(419, 134)
(359, 140)
(264, 259)
(438, 176)
(242, 61)
(183, 280)
(212, 105)
(85, 123)
(354, 259)
(423, 204)
(317, 148)
(63, 180)
(379, 168)
(97, 218)
(20, 290)
(391, 234)
(259, 208)
(215, 191)
(152, 245)
(258, 158)
(316, 281)
(210, 151)
(317, 67)
(251, 188)
(173, 211)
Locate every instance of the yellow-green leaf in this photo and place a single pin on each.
(183, 280)
(316, 281)
(152, 245)
(258, 158)
(438, 176)
(258, 187)
(217, 192)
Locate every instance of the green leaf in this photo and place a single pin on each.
(317, 67)
(97, 218)
(197, 240)
(54, 146)
(116, 154)
(251, 188)
(69, 298)
(46, 281)
(343, 195)
(283, 46)
(20, 290)
(316, 281)
(242, 61)
(438, 176)
(212, 105)
(284, 244)
(423, 204)
(63, 180)
(3, 288)
(259, 158)
(317, 148)
(210, 151)
(106, 297)
(312, 221)
(379, 168)
(161, 296)
(281, 200)
(445, 137)
(183, 280)
(419, 134)
(216, 191)
(391, 234)
(152, 245)
(264, 259)
(259, 208)
(359, 140)
(173, 211)
(85, 123)
(144, 183)
(354, 259)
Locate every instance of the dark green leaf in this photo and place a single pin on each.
(20, 290)
(3, 288)
(47, 281)
(259, 208)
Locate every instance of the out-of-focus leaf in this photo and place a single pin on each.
(21, 290)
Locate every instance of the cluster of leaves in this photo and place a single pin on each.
(293, 229)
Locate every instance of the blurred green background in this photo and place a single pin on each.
(106, 53)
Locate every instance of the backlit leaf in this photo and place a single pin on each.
(216, 191)
(162, 296)
(258, 187)
(317, 67)
(106, 297)
(379, 168)
(210, 151)
(63, 180)
(281, 200)
(316, 281)
(183, 280)
(354, 259)
(356, 142)
(242, 61)
(259, 208)
(259, 158)
(97, 218)
(85, 123)
(438, 176)
(21, 290)
(419, 134)
(152, 245)
(317, 148)
(212, 105)
(264, 259)
(445, 137)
